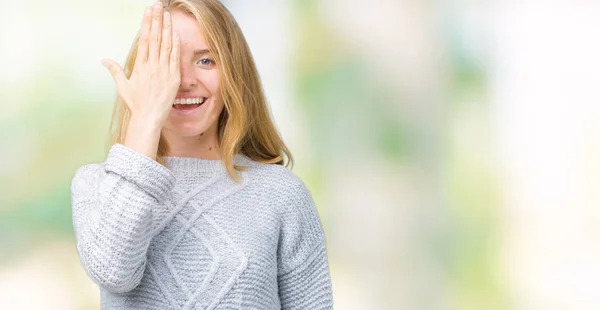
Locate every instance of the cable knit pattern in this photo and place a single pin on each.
(186, 236)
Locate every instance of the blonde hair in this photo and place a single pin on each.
(245, 125)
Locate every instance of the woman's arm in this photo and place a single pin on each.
(113, 203)
(112, 208)
(303, 269)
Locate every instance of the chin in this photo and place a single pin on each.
(187, 129)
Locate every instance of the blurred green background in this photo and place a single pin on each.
(452, 147)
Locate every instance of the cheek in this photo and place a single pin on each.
(210, 80)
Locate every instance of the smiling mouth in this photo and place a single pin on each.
(188, 103)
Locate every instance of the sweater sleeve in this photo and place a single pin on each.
(112, 206)
(303, 269)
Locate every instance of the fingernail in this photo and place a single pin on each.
(157, 5)
(148, 11)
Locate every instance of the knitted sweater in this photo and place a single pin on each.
(186, 236)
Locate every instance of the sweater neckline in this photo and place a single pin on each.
(193, 165)
(200, 166)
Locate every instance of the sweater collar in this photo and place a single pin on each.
(181, 166)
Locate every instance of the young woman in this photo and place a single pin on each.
(194, 207)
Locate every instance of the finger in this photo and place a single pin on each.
(155, 33)
(117, 73)
(167, 43)
(142, 53)
(175, 55)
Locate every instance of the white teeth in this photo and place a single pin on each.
(198, 100)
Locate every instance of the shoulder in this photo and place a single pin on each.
(287, 194)
(300, 231)
(86, 177)
(281, 183)
(90, 169)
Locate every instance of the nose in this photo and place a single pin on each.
(188, 79)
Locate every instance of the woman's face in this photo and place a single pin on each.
(199, 81)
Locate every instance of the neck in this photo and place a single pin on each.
(203, 146)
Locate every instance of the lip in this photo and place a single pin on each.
(190, 96)
(189, 112)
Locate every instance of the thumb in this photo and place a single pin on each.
(116, 71)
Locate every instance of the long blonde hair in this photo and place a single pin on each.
(245, 125)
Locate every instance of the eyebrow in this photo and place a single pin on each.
(201, 52)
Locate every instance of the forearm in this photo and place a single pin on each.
(143, 136)
(113, 208)
(112, 233)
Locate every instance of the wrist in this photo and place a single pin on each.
(147, 124)
(143, 135)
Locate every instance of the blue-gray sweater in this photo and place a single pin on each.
(186, 236)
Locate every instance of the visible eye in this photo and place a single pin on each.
(206, 62)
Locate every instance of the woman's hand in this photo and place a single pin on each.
(150, 91)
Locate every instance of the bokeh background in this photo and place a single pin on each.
(452, 147)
